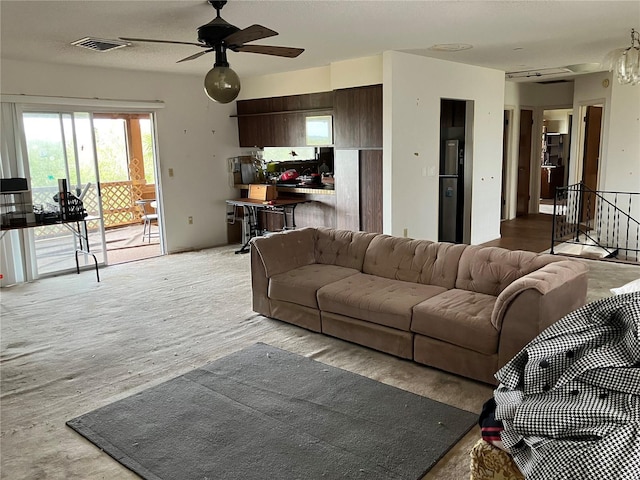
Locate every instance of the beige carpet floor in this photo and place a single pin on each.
(70, 345)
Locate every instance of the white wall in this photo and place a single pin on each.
(620, 170)
(357, 72)
(195, 137)
(345, 74)
(621, 156)
(620, 138)
(312, 80)
(549, 96)
(413, 89)
(619, 165)
(557, 121)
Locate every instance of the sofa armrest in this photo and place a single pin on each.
(535, 301)
(259, 285)
(284, 251)
(276, 254)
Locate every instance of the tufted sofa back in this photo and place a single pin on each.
(341, 247)
(490, 270)
(418, 261)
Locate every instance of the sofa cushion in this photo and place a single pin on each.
(341, 247)
(420, 261)
(375, 299)
(458, 317)
(301, 284)
(490, 270)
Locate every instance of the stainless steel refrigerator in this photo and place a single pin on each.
(451, 192)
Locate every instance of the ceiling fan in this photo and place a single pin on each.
(221, 83)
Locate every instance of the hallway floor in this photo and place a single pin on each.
(529, 232)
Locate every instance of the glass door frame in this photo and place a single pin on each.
(74, 115)
(76, 107)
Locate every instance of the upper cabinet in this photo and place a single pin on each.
(358, 117)
(279, 121)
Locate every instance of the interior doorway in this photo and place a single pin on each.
(455, 170)
(554, 155)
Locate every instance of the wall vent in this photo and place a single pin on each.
(100, 44)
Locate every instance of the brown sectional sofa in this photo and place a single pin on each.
(461, 308)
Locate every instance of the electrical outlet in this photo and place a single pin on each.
(171, 172)
(405, 232)
(190, 220)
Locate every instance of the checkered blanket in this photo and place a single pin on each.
(570, 400)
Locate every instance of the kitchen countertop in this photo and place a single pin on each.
(297, 189)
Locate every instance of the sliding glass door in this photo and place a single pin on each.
(61, 145)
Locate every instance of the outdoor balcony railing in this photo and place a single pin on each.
(118, 203)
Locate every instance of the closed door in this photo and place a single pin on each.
(524, 162)
(591, 160)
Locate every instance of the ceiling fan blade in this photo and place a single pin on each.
(127, 39)
(194, 56)
(249, 34)
(289, 52)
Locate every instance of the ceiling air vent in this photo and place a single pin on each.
(99, 44)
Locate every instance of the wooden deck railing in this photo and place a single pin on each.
(118, 203)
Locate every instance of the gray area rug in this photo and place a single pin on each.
(263, 413)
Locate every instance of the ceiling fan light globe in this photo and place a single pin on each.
(221, 84)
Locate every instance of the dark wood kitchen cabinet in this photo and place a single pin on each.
(357, 121)
(370, 179)
(277, 130)
(279, 121)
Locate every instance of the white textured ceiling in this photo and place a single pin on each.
(506, 35)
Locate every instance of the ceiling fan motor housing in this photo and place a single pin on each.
(221, 83)
(215, 31)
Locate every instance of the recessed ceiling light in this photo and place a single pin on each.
(450, 47)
